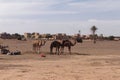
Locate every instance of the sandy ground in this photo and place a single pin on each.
(88, 61)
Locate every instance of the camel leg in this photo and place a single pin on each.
(51, 50)
(34, 48)
(62, 49)
(69, 48)
(56, 50)
(38, 50)
(59, 51)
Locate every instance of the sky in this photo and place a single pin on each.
(60, 16)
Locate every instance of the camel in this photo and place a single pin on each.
(69, 44)
(37, 44)
(57, 45)
(3, 49)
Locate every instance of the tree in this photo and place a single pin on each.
(79, 32)
(111, 38)
(17, 36)
(93, 29)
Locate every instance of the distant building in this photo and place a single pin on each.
(116, 38)
(27, 35)
(36, 35)
(61, 36)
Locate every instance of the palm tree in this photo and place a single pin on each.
(79, 32)
(93, 29)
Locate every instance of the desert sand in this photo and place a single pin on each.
(88, 61)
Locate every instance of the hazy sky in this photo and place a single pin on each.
(60, 16)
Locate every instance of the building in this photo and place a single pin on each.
(27, 35)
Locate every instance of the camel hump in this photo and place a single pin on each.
(70, 42)
(42, 42)
(66, 41)
(39, 41)
(55, 43)
(35, 41)
(60, 41)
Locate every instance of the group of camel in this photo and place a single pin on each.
(58, 44)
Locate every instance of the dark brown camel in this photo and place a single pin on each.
(37, 44)
(57, 45)
(69, 44)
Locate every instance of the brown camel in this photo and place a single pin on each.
(69, 44)
(57, 45)
(37, 44)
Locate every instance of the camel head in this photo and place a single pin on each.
(79, 40)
